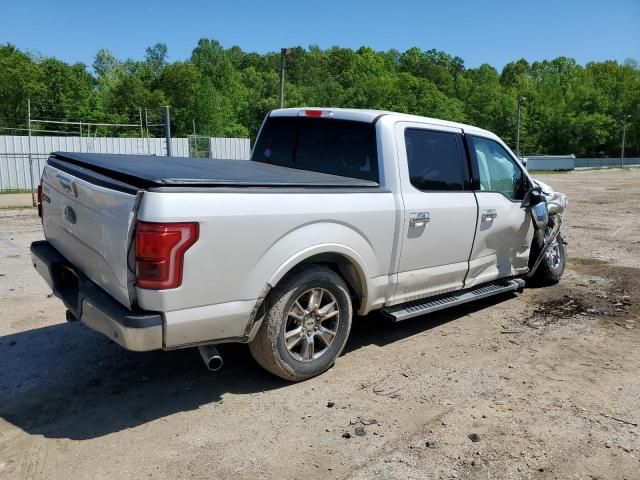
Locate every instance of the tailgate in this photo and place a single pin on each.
(91, 225)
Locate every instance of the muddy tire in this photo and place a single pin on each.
(552, 266)
(306, 326)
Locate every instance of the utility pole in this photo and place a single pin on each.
(283, 53)
(193, 139)
(520, 100)
(624, 131)
(167, 129)
(141, 129)
(146, 129)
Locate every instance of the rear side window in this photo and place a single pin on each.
(434, 160)
(325, 145)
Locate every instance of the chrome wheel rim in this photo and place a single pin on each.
(311, 324)
(553, 252)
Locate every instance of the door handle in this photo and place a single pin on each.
(419, 219)
(489, 214)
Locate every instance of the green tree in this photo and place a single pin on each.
(569, 108)
(20, 79)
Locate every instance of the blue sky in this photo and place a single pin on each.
(493, 32)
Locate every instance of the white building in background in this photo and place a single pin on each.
(550, 162)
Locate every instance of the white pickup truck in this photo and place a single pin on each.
(339, 211)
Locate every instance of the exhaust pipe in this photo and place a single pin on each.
(211, 357)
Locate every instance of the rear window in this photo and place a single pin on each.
(325, 145)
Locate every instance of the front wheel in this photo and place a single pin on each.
(552, 265)
(306, 325)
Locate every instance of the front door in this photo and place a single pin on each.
(504, 232)
(440, 211)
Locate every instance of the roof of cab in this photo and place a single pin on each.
(364, 115)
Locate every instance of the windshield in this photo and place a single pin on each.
(325, 145)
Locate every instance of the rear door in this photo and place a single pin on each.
(91, 225)
(440, 211)
(504, 233)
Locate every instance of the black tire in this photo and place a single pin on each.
(268, 347)
(550, 270)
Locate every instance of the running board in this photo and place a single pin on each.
(416, 308)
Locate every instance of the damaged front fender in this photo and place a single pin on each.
(556, 201)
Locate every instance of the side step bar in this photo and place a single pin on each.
(416, 308)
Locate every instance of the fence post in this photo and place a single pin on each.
(33, 195)
(167, 129)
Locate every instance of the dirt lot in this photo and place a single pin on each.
(547, 380)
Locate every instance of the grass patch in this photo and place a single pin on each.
(612, 167)
(626, 168)
(17, 207)
(550, 172)
(15, 190)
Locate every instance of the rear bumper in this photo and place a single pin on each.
(137, 330)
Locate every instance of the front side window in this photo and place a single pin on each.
(434, 160)
(498, 171)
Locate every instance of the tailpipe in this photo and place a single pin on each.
(211, 357)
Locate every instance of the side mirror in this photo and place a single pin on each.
(535, 202)
(533, 196)
(540, 215)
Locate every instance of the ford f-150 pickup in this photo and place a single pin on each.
(339, 211)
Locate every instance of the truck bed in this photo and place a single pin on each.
(148, 171)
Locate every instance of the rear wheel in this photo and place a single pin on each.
(306, 325)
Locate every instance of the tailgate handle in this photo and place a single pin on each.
(68, 185)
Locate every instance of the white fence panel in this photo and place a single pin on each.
(606, 162)
(229, 148)
(14, 152)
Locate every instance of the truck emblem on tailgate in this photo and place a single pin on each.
(70, 215)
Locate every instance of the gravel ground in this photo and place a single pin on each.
(10, 201)
(542, 384)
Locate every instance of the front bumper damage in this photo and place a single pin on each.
(556, 202)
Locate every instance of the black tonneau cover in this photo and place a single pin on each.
(148, 171)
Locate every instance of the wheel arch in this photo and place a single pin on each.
(342, 259)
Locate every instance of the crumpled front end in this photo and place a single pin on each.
(556, 201)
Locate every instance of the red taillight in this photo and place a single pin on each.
(160, 251)
(39, 200)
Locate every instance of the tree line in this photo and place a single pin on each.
(565, 107)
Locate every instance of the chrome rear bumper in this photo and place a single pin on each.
(87, 302)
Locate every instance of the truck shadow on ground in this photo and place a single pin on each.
(66, 381)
